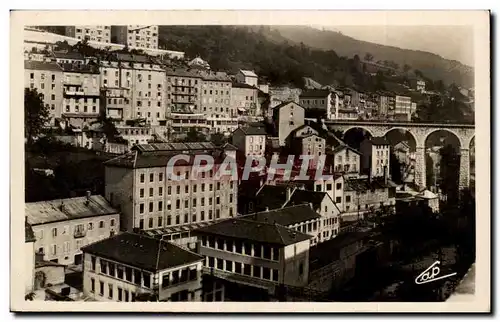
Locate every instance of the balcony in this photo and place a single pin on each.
(79, 234)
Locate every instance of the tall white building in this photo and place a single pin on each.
(93, 33)
(136, 36)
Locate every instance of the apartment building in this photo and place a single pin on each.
(183, 90)
(130, 267)
(375, 156)
(81, 94)
(250, 140)
(117, 103)
(319, 101)
(297, 217)
(245, 98)
(137, 183)
(387, 104)
(403, 105)
(135, 134)
(216, 102)
(346, 160)
(247, 77)
(271, 197)
(255, 253)
(93, 33)
(135, 36)
(305, 140)
(63, 226)
(363, 195)
(145, 80)
(47, 79)
(287, 117)
(182, 123)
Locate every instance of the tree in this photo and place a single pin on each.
(218, 139)
(368, 57)
(36, 115)
(395, 169)
(193, 136)
(406, 68)
(418, 73)
(450, 169)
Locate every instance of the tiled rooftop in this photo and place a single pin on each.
(285, 216)
(39, 65)
(141, 251)
(251, 230)
(43, 212)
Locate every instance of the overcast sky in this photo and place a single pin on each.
(451, 42)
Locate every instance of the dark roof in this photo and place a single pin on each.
(285, 216)
(68, 55)
(315, 93)
(80, 68)
(255, 231)
(181, 72)
(133, 58)
(42, 263)
(379, 140)
(141, 251)
(29, 235)
(271, 196)
(364, 184)
(252, 130)
(300, 197)
(229, 147)
(41, 65)
(243, 85)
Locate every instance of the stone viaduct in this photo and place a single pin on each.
(420, 132)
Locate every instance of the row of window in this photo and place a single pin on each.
(42, 76)
(179, 276)
(125, 273)
(142, 179)
(77, 109)
(194, 218)
(261, 272)
(178, 188)
(121, 294)
(194, 204)
(66, 229)
(240, 247)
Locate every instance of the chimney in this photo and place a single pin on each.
(61, 207)
(88, 194)
(267, 209)
(311, 205)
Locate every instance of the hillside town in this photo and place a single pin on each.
(312, 211)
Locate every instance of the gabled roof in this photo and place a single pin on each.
(229, 147)
(286, 216)
(286, 103)
(255, 231)
(345, 146)
(41, 65)
(248, 73)
(271, 196)
(43, 212)
(243, 85)
(403, 145)
(141, 251)
(300, 197)
(426, 194)
(252, 130)
(364, 184)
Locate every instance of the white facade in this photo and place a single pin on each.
(112, 281)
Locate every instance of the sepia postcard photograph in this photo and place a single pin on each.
(250, 161)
